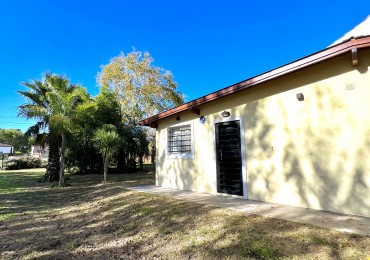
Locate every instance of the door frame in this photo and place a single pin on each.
(242, 150)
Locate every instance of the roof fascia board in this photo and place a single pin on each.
(304, 62)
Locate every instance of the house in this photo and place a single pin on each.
(296, 135)
(39, 151)
(6, 148)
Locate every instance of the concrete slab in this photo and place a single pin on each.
(340, 222)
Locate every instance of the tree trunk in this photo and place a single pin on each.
(121, 159)
(153, 155)
(62, 162)
(106, 162)
(141, 163)
(53, 166)
(153, 152)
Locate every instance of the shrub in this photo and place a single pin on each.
(23, 162)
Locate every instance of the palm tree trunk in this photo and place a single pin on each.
(106, 162)
(62, 162)
(53, 166)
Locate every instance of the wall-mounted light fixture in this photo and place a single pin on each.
(177, 118)
(225, 114)
(202, 119)
(354, 57)
(300, 96)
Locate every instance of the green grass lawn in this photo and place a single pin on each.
(88, 220)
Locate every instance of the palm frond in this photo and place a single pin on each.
(32, 111)
(106, 140)
(35, 129)
(60, 123)
(33, 97)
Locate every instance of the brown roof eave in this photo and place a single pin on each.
(310, 60)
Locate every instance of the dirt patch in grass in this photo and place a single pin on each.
(88, 220)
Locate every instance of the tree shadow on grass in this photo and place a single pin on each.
(109, 222)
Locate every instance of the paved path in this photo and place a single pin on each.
(341, 222)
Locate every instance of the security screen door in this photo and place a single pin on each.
(229, 165)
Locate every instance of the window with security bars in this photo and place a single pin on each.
(179, 140)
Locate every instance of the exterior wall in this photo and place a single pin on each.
(314, 153)
(37, 151)
(5, 149)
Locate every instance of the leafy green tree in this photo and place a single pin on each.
(15, 137)
(82, 155)
(106, 141)
(141, 145)
(141, 90)
(107, 108)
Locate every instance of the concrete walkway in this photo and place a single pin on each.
(341, 222)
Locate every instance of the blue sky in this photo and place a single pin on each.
(207, 45)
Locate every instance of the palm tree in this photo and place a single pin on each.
(54, 102)
(65, 101)
(106, 141)
(38, 108)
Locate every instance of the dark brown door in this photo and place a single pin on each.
(229, 165)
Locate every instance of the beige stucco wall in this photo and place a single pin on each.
(314, 153)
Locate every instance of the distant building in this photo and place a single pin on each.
(6, 148)
(38, 151)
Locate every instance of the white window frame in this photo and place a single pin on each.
(185, 155)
